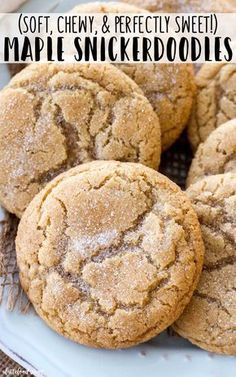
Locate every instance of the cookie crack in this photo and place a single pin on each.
(213, 300)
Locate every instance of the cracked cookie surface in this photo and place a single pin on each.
(54, 116)
(215, 101)
(209, 320)
(216, 155)
(170, 88)
(185, 6)
(109, 253)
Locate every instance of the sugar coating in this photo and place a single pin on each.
(216, 155)
(209, 320)
(109, 253)
(55, 116)
(215, 101)
(170, 88)
(185, 6)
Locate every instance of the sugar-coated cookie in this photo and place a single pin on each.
(109, 253)
(216, 155)
(209, 320)
(55, 116)
(215, 101)
(170, 88)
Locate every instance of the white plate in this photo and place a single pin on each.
(29, 341)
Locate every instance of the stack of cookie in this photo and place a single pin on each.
(110, 252)
(210, 318)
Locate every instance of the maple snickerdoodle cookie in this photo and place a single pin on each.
(109, 253)
(215, 101)
(55, 116)
(170, 88)
(209, 320)
(185, 6)
(216, 155)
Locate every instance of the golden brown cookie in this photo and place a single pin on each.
(209, 320)
(185, 6)
(109, 253)
(55, 116)
(216, 155)
(215, 101)
(170, 88)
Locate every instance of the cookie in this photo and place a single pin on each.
(217, 155)
(55, 116)
(170, 88)
(185, 6)
(209, 320)
(215, 101)
(109, 253)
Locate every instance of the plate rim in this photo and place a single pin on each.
(19, 359)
